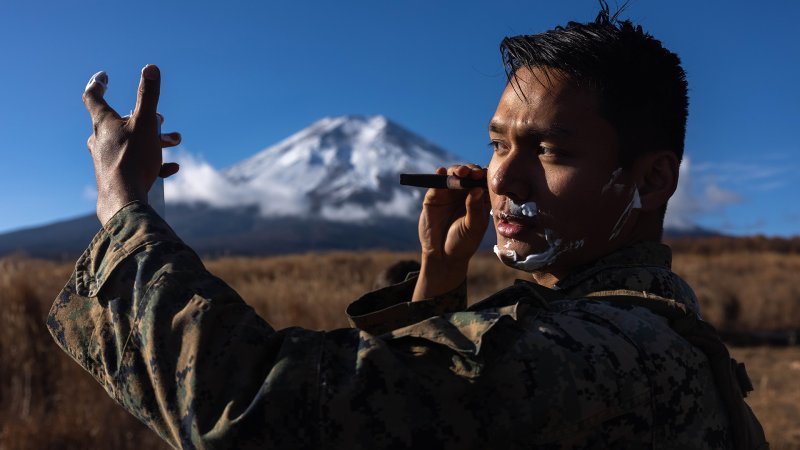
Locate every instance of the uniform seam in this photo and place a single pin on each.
(84, 276)
(136, 320)
(134, 324)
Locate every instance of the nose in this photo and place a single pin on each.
(512, 175)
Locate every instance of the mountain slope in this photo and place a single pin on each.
(332, 185)
(342, 168)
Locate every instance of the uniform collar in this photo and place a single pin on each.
(640, 255)
(643, 266)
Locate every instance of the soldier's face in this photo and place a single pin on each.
(558, 196)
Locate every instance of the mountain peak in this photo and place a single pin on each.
(348, 124)
(340, 168)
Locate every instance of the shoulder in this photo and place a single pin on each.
(563, 373)
(572, 374)
(683, 398)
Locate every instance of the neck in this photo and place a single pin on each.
(549, 276)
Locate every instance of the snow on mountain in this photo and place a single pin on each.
(339, 168)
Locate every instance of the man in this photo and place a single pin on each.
(596, 353)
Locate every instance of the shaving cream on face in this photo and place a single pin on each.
(634, 203)
(535, 261)
(611, 183)
(527, 209)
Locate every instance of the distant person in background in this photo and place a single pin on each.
(602, 347)
(396, 273)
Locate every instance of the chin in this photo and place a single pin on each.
(521, 255)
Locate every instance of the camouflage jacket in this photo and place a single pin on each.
(181, 351)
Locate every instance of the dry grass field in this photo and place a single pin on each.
(48, 402)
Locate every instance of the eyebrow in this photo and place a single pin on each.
(496, 126)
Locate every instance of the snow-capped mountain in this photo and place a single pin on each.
(339, 168)
(332, 185)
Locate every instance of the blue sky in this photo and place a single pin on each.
(240, 76)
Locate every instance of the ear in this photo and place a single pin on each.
(657, 178)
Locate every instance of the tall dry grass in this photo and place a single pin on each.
(48, 402)
(775, 373)
(745, 290)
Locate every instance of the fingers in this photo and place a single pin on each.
(478, 205)
(170, 139)
(167, 139)
(473, 171)
(147, 99)
(168, 169)
(93, 98)
(441, 196)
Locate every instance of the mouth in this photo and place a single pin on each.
(512, 225)
(515, 218)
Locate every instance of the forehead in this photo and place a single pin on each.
(544, 98)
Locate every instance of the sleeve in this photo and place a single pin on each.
(390, 308)
(179, 349)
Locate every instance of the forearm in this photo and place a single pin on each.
(437, 278)
(175, 345)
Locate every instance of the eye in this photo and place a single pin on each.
(549, 152)
(497, 146)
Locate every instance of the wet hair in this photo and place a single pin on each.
(640, 85)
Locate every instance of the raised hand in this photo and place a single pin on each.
(451, 227)
(126, 151)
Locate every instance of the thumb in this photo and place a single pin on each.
(93, 98)
(147, 98)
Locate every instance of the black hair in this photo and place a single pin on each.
(641, 85)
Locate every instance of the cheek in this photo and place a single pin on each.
(560, 183)
(570, 194)
(578, 204)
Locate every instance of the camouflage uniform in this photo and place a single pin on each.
(181, 351)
